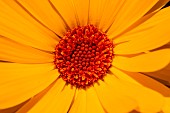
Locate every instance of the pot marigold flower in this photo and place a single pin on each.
(91, 56)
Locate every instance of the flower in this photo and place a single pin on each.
(34, 34)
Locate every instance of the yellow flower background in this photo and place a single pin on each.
(31, 29)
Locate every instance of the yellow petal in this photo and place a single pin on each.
(113, 101)
(148, 62)
(17, 25)
(146, 36)
(166, 108)
(96, 11)
(28, 15)
(12, 71)
(66, 10)
(41, 100)
(15, 52)
(42, 11)
(20, 82)
(79, 104)
(128, 14)
(111, 8)
(122, 76)
(145, 23)
(93, 103)
(161, 75)
(141, 79)
(58, 99)
(12, 109)
(164, 46)
(148, 100)
(158, 5)
(81, 9)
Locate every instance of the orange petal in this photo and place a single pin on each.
(16, 26)
(41, 100)
(19, 82)
(12, 71)
(96, 11)
(43, 13)
(79, 104)
(128, 14)
(93, 103)
(61, 102)
(145, 23)
(56, 101)
(141, 79)
(158, 5)
(66, 10)
(145, 37)
(148, 62)
(12, 109)
(81, 9)
(111, 8)
(15, 52)
(161, 75)
(113, 101)
(166, 108)
(122, 76)
(148, 100)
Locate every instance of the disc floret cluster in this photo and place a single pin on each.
(83, 56)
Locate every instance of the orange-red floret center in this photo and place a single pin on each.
(83, 56)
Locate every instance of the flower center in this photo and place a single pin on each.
(83, 56)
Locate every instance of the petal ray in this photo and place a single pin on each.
(82, 11)
(129, 13)
(40, 101)
(148, 62)
(93, 103)
(23, 29)
(96, 10)
(67, 12)
(111, 8)
(150, 34)
(42, 12)
(146, 22)
(14, 52)
(148, 100)
(58, 100)
(17, 87)
(158, 5)
(79, 104)
(162, 75)
(142, 80)
(113, 101)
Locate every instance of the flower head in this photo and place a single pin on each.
(77, 56)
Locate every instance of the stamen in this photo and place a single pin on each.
(83, 56)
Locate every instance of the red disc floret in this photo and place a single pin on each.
(83, 56)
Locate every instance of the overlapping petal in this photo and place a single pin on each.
(148, 101)
(141, 79)
(43, 13)
(18, 26)
(15, 52)
(112, 101)
(162, 75)
(147, 62)
(158, 5)
(151, 34)
(128, 14)
(79, 104)
(58, 99)
(19, 82)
